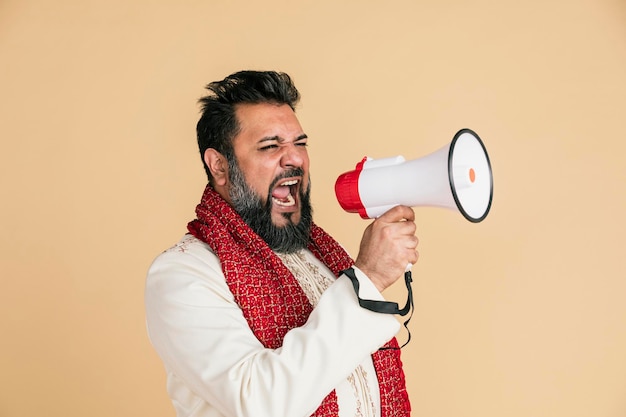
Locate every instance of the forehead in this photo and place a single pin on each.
(267, 120)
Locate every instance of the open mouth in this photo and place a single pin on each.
(283, 194)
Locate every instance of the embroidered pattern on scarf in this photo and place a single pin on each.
(271, 299)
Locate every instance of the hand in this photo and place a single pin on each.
(388, 245)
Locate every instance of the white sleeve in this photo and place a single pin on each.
(202, 337)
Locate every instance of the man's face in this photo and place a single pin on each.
(271, 152)
(269, 179)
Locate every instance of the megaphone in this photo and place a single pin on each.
(457, 176)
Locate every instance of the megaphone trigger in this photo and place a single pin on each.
(457, 176)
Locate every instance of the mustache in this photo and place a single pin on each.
(294, 172)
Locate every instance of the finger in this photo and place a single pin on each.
(412, 242)
(407, 227)
(398, 213)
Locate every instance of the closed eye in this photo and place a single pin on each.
(274, 142)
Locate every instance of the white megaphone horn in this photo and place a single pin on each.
(457, 176)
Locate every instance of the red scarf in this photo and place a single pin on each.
(271, 299)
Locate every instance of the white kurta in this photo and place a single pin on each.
(217, 367)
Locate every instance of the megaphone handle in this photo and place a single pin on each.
(386, 307)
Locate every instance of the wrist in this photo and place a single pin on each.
(369, 287)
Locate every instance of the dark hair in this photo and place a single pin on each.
(218, 124)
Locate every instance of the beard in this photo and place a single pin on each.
(289, 238)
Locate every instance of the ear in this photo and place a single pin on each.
(217, 165)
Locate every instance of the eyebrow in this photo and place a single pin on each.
(279, 139)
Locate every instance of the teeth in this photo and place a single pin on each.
(292, 182)
(289, 201)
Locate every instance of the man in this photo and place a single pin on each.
(254, 312)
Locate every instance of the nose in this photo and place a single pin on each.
(293, 155)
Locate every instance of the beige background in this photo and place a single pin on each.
(521, 315)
